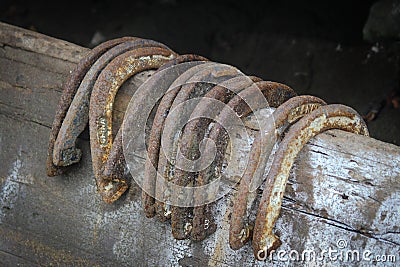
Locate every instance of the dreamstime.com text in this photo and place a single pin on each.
(338, 254)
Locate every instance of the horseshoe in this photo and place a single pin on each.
(196, 128)
(65, 152)
(160, 80)
(284, 116)
(165, 169)
(195, 88)
(69, 90)
(326, 117)
(274, 94)
(151, 166)
(100, 111)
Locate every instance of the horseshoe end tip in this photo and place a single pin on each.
(51, 169)
(149, 213)
(67, 156)
(112, 191)
(238, 240)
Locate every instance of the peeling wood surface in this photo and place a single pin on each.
(343, 187)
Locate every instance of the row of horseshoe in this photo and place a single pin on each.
(88, 97)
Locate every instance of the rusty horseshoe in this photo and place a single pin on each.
(100, 112)
(195, 88)
(154, 143)
(195, 130)
(69, 91)
(65, 153)
(334, 116)
(284, 116)
(274, 94)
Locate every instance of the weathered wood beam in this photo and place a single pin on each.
(342, 187)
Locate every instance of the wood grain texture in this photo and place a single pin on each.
(342, 187)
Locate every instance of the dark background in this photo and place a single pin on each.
(316, 47)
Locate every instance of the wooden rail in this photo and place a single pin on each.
(343, 188)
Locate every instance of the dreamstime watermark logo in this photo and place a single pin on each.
(176, 104)
(340, 253)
